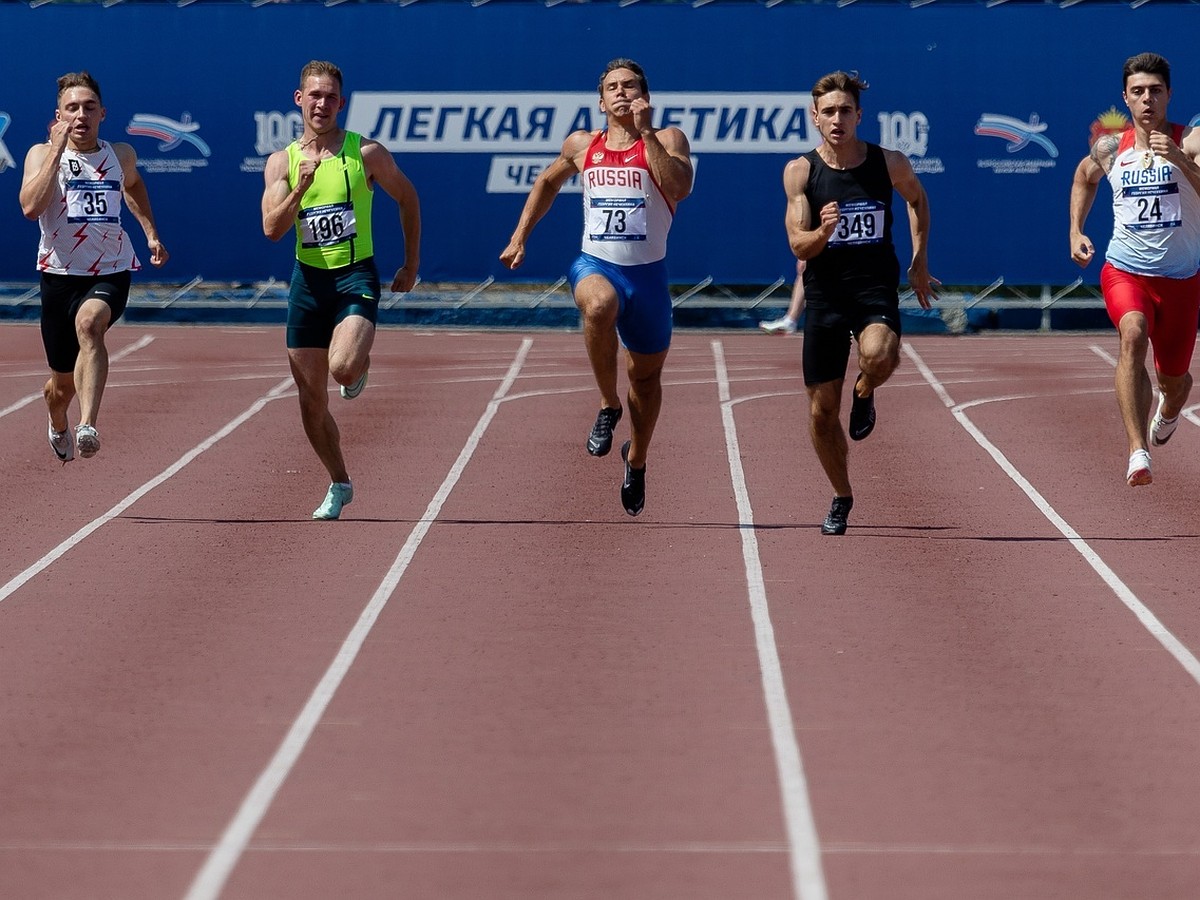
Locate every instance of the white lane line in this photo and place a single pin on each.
(20, 579)
(1149, 621)
(143, 341)
(804, 846)
(219, 865)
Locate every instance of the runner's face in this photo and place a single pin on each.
(320, 101)
(81, 107)
(1146, 96)
(837, 117)
(621, 88)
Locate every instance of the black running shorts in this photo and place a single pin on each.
(62, 296)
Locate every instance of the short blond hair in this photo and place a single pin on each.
(321, 68)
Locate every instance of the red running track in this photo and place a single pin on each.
(487, 681)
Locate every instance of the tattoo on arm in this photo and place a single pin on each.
(1104, 151)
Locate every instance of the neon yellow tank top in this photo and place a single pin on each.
(333, 228)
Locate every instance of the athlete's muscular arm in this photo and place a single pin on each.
(1083, 193)
(138, 201)
(280, 203)
(667, 152)
(382, 168)
(39, 186)
(541, 196)
(805, 240)
(908, 186)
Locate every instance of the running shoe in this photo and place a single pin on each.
(599, 442)
(349, 393)
(839, 515)
(862, 414)
(782, 325)
(1161, 428)
(1138, 472)
(62, 445)
(340, 494)
(633, 488)
(87, 440)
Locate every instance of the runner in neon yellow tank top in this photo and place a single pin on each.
(323, 184)
(333, 228)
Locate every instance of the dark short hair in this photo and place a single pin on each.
(78, 79)
(623, 63)
(1148, 63)
(846, 82)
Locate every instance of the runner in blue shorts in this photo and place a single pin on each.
(633, 176)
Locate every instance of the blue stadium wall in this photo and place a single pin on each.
(994, 106)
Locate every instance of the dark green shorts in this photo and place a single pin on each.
(321, 298)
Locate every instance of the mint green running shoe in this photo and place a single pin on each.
(340, 494)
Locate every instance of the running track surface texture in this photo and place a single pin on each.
(487, 681)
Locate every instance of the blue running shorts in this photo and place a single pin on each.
(644, 301)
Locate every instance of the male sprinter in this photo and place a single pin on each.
(1150, 275)
(839, 219)
(323, 183)
(633, 176)
(73, 185)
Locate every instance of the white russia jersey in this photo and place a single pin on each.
(1156, 214)
(81, 228)
(626, 216)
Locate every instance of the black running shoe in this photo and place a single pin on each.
(862, 414)
(633, 488)
(839, 512)
(599, 442)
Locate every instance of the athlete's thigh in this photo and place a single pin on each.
(1173, 338)
(645, 321)
(826, 348)
(60, 297)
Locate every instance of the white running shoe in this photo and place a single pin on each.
(349, 393)
(62, 445)
(1138, 472)
(340, 494)
(87, 440)
(1161, 429)
(784, 325)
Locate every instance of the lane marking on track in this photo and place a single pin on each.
(144, 341)
(219, 865)
(804, 847)
(1149, 621)
(15, 583)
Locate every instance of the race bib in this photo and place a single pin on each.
(326, 225)
(859, 222)
(1149, 207)
(616, 219)
(93, 201)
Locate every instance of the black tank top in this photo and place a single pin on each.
(861, 248)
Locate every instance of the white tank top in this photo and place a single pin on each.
(1156, 214)
(81, 228)
(626, 216)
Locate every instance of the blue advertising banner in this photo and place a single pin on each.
(993, 106)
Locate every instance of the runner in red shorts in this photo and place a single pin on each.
(1150, 281)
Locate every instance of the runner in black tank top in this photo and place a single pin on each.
(839, 220)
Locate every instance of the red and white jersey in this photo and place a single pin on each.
(626, 216)
(1156, 213)
(81, 228)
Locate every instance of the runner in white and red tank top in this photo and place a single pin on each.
(633, 176)
(1150, 280)
(74, 185)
